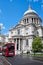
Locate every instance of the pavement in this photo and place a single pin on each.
(21, 60)
(25, 60)
(1, 62)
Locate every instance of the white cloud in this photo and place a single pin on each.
(42, 6)
(35, 0)
(11, 0)
(6, 33)
(2, 26)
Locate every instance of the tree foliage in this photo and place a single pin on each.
(37, 44)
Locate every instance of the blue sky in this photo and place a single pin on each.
(11, 11)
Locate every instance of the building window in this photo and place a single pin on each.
(27, 20)
(18, 31)
(32, 20)
(26, 33)
(37, 33)
(32, 31)
(26, 28)
(27, 42)
(24, 21)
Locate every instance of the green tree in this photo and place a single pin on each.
(37, 45)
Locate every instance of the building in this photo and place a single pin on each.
(25, 31)
(6, 38)
(2, 41)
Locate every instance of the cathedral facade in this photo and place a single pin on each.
(25, 31)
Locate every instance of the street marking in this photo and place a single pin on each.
(31, 60)
(7, 61)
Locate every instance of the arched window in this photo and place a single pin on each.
(27, 20)
(18, 31)
(24, 21)
(27, 42)
(32, 20)
(37, 33)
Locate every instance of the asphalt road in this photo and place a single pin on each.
(24, 60)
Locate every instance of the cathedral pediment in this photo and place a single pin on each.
(18, 26)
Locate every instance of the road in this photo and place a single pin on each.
(24, 60)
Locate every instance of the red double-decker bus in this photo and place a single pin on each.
(8, 49)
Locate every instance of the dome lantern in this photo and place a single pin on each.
(29, 8)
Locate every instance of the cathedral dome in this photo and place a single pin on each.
(30, 11)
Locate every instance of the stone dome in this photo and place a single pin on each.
(30, 11)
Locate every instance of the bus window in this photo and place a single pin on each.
(11, 48)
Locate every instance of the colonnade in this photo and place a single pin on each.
(32, 20)
(18, 43)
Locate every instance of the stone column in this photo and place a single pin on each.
(37, 21)
(16, 47)
(19, 44)
(23, 44)
(33, 20)
(26, 20)
(16, 44)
